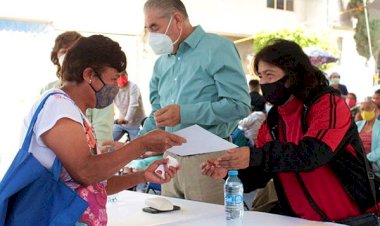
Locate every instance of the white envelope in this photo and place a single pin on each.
(199, 141)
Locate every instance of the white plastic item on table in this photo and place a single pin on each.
(160, 171)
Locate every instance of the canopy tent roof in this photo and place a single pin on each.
(126, 16)
(24, 26)
(114, 16)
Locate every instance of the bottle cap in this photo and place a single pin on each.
(232, 173)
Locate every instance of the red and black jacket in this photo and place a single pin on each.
(322, 160)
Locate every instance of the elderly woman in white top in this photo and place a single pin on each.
(90, 70)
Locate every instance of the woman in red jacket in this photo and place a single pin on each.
(309, 144)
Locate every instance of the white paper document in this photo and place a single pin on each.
(199, 141)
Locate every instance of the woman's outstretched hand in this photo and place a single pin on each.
(233, 159)
(209, 168)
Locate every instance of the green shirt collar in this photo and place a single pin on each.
(195, 37)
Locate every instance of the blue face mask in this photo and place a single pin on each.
(106, 95)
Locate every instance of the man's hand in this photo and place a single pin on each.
(168, 116)
(237, 158)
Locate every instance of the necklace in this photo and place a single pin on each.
(367, 129)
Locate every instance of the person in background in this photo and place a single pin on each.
(130, 107)
(249, 126)
(335, 83)
(62, 44)
(198, 79)
(351, 102)
(376, 100)
(308, 145)
(257, 100)
(88, 75)
(101, 119)
(369, 131)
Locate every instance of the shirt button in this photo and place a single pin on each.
(175, 79)
(172, 100)
(179, 58)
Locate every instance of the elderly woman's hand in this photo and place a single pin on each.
(151, 176)
(237, 158)
(158, 141)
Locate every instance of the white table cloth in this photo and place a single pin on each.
(125, 209)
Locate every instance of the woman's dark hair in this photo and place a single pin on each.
(353, 95)
(97, 52)
(303, 78)
(64, 40)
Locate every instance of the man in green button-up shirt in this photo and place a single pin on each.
(197, 80)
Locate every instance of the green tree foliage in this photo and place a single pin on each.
(299, 36)
(356, 9)
(361, 37)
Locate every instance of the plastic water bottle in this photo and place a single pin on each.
(233, 199)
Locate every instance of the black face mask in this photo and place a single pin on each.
(276, 93)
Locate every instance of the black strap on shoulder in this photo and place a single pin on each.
(313, 97)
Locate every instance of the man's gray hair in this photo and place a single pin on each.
(167, 6)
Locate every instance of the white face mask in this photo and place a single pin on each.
(161, 43)
(60, 59)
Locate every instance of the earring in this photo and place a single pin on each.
(90, 81)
